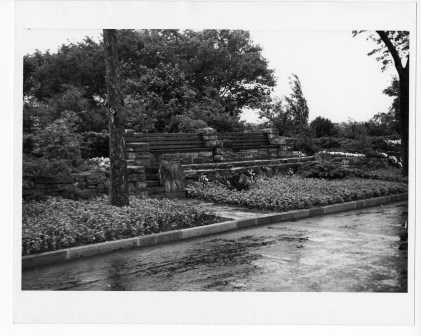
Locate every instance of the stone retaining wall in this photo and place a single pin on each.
(82, 185)
(204, 146)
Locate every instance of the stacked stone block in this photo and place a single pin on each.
(211, 141)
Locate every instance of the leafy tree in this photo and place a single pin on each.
(321, 127)
(394, 110)
(166, 73)
(290, 114)
(119, 195)
(383, 124)
(278, 117)
(80, 65)
(296, 105)
(392, 47)
(352, 129)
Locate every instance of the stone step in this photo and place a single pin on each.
(195, 173)
(259, 162)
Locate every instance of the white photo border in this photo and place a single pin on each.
(215, 307)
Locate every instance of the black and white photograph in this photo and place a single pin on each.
(213, 160)
(242, 159)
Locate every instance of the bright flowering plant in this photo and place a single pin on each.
(342, 154)
(100, 162)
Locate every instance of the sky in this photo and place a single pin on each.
(339, 80)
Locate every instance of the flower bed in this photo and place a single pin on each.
(288, 193)
(387, 174)
(60, 223)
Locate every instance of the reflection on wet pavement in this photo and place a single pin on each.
(351, 251)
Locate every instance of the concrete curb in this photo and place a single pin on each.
(199, 231)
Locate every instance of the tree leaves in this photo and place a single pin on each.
(398, 39)
(166, 73)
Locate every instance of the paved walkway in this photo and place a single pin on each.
(226, 211)
(351, 251)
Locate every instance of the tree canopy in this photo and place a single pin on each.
(172, 79)
(321, 127)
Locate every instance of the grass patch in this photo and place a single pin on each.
(288, 193)
(60, 223)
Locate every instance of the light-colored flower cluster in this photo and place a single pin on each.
(392, 159)
(342, 154)
(393, 142)
(298, 153)
(252, 175)
(203, 179)
(100, 162)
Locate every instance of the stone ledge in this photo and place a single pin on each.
(63, 255)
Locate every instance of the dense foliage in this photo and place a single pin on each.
(364, 144)
(321, 127)
(306, 144)
(205, 76)
(288, 193)
(58, 223)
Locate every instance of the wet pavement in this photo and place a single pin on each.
(225, 211)
(351, 251)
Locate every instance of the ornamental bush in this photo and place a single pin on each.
(289, 193)
(60, 223)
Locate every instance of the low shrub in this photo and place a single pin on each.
(288, 193)
(237, 181)
(34, 167)
(60, 223)
(306, 145)
(327, 142)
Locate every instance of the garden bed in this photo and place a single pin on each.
(61, 223)
(289, 193)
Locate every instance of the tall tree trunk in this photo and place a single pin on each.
(404, 116)
(403, 73)
(116, 122)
